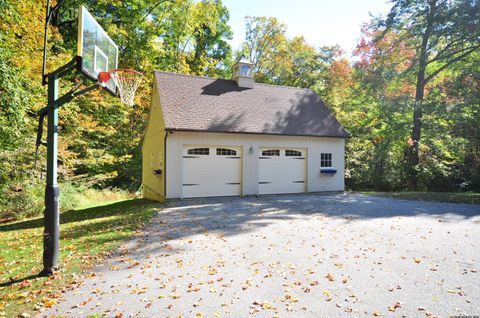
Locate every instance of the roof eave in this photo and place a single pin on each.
(254, 133)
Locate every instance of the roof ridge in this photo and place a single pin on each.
(285, 86)
(223, 79)
(192, 75)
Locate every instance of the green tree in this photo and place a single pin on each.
(264, 37)
(210, 34)
(282, 61)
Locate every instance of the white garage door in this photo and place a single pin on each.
(210, 171)
(282, 170)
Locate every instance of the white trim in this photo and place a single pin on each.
(83, 11)
(97, 49)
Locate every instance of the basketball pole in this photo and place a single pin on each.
(51, 235)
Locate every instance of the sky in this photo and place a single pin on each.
(321, 22)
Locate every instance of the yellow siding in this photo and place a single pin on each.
(153, 150)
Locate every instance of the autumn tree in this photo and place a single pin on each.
(442, 32)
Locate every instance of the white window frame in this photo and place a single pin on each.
(326, 160)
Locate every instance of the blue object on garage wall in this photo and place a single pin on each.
(328, 170)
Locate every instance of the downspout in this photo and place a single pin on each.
(165, 161)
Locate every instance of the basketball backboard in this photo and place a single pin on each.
(97, 51)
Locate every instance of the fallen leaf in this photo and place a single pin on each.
(266, 306)
(330, 277)
(394, 306)
(328, 296)
(49, 303)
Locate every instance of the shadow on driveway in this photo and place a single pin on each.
(231, 216)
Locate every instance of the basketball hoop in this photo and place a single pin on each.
(126, 81)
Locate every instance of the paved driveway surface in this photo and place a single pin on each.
(342, 255)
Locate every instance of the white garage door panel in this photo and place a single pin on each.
(282, 174)
(211, 175)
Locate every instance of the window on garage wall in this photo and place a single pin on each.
(199, 151)
(292, 153)
(226, 152)
(271, 152)
(325, 160)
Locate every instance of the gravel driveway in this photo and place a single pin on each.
(339, 255)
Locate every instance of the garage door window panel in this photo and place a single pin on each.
(199, 151)
(226, 152)
(293, 153)
(271, 153)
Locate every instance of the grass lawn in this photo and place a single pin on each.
(86, 236)
(454, 197)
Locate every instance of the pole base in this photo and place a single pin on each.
(46, 272)
(51, 235)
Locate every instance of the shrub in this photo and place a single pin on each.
(27, 200)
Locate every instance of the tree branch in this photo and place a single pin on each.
(154, 7)
(439, 56)
(458, 58)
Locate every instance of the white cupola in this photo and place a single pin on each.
(243, 73)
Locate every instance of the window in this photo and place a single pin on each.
(245, 70)
(325, 160)
(293, 153)
(226, 152)
(199, 151)
(271, 152)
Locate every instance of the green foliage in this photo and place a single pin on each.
(14, 101)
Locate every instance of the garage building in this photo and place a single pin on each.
(213, 137)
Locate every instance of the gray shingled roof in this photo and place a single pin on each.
(215, 105)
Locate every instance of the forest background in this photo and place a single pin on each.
(410, 97)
